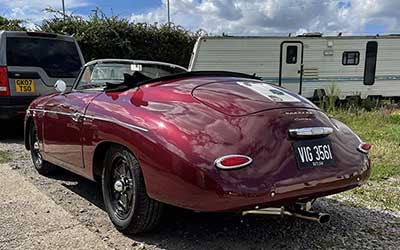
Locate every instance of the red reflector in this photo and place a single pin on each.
(4, 88)
(232, 161)
(364, 148)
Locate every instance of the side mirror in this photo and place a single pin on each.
(60, 86)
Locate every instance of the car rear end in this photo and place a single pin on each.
(282, 148)
(30, 64)
(298, 154)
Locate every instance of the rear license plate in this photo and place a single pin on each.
(24, 85)
(314, 153)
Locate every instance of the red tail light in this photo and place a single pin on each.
(4, 87)
(228, 162)
(364, 148)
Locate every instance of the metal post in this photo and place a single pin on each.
(63, 9)
(169, 16)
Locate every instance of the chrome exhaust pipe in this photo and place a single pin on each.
(321, 218)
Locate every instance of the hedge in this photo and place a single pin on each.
(11, 24)
(100, 36)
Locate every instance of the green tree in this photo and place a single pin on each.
(100, 36)
(11, 24)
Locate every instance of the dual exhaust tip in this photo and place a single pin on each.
(301, 213)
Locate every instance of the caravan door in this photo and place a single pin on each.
(291, 66)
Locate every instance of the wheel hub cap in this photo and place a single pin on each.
(119, 186)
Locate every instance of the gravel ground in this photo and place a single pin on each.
(350, 227)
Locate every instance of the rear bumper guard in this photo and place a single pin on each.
(310, 132)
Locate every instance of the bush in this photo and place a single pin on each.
(100, 36)
(329, 101)
(11, 24)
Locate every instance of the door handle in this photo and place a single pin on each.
(300, 71)
(76, 117)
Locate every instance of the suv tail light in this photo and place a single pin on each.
(4, 87)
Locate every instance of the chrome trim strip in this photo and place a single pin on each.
(124, 124)
(115, 121)
(218, 161)
(312, 131)
(57, 112)
(50, 112)
(36, 110)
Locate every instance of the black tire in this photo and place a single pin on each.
(126, 201)
(42, 166)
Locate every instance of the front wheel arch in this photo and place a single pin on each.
(26, 133)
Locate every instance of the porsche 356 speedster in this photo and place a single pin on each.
(153, 134)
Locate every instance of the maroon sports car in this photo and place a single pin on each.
(154, 134)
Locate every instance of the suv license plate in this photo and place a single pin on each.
(25, 85)
(314, 153)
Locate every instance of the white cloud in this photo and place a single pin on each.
(32, 10)
(277, 16)
(243, 17)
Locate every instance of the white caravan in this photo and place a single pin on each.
(309, 64)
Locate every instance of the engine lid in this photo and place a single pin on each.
(244, 97)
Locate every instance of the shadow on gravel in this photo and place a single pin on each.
(86, 189)
(12, 131)
(351, 227)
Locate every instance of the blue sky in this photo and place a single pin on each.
(119, 7)
(234, 17)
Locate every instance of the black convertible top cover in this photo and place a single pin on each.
(137, 79)
(202, 73)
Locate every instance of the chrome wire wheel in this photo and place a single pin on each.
(126, 201)
(42, 166)
(121, 188)
(35, 151)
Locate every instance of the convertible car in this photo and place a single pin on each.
(153, 134)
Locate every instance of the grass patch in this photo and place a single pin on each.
(4, 157)
(382, 129)
(375, 194)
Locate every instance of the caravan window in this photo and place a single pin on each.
(291, 55)
(370, 63)
(351, 58)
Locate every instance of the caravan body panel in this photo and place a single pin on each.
(309, 64)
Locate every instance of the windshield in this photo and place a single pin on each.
(99, 74)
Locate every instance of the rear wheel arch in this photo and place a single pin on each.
(145, 214)
(98, 159)
(99, 156)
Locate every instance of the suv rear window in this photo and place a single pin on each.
(58, 58)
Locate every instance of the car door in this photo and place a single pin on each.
(63, 127)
